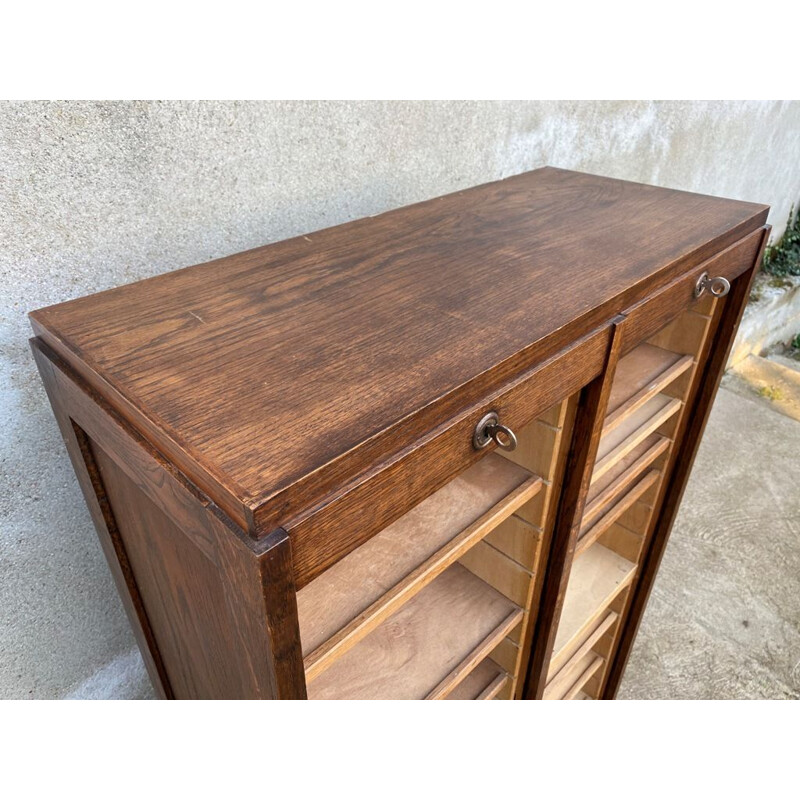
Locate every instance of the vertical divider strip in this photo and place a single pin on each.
(586, 431)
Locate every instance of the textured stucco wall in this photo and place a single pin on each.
(97, 194)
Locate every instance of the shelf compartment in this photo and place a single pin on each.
(590, 533)
(560, 680)
(603, 491)
(499, 571)
(428, 647)
(632, 431)
(597, 577)
(590, 665)
(485, 682)
(640, 375)
(356, 594)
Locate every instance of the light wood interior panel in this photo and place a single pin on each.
(485, 682)
(640, 375)
(507, 654)
(499, 571)
(355, 595)
(597, 577)
(619, 478)
(518, 539)
(574, 677)
(632, 431)
(589, 534)
(411, 653)
(643, 419)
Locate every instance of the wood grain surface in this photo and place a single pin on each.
(413, 651)
(271, 377)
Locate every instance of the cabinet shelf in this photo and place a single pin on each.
(569, 664)
(597, 577)
(632, 431)
(616, 480)
(590, 533)
(485, 682)
(582, 671)
(428, 647)
(354, 596)
(640, 375)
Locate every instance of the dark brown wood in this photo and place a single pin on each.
(328, 532)
(86, 470)
(689, 439)
(262, 610)
(214, 612)
(653, 313)
(241, 426)
(586, 433)
(273, 377)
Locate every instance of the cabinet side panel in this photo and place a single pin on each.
(87, 473)
(214, 616)
(181, 589)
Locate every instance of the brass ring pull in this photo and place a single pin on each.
(489, 430)
(718, 286)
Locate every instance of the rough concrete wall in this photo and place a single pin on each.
(93, 195)
(772, 316)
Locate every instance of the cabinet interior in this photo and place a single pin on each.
(645, 411)
(440, 604)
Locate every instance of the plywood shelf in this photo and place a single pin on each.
(640, 375)
(597, 577)
(616, 480)
(590, 533)
(636, 428)
(428, 647)
(354, 596)
(590, 665)
(564, 669)
(485, 682)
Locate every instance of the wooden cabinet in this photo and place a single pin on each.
(430, 454)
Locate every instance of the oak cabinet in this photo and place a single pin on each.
(435, 453)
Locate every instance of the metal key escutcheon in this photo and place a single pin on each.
(489, 430)
(718, 286)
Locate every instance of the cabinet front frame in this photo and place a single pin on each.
(738, 263)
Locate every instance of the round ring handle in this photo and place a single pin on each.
(504, 437)
(718, 286)
(489, 430)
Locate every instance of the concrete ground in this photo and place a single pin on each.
(723, 620)
(724, 617)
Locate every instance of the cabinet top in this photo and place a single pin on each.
(270, 374)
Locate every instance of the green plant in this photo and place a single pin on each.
(771, 392)
(783, 258)
(795, 343)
